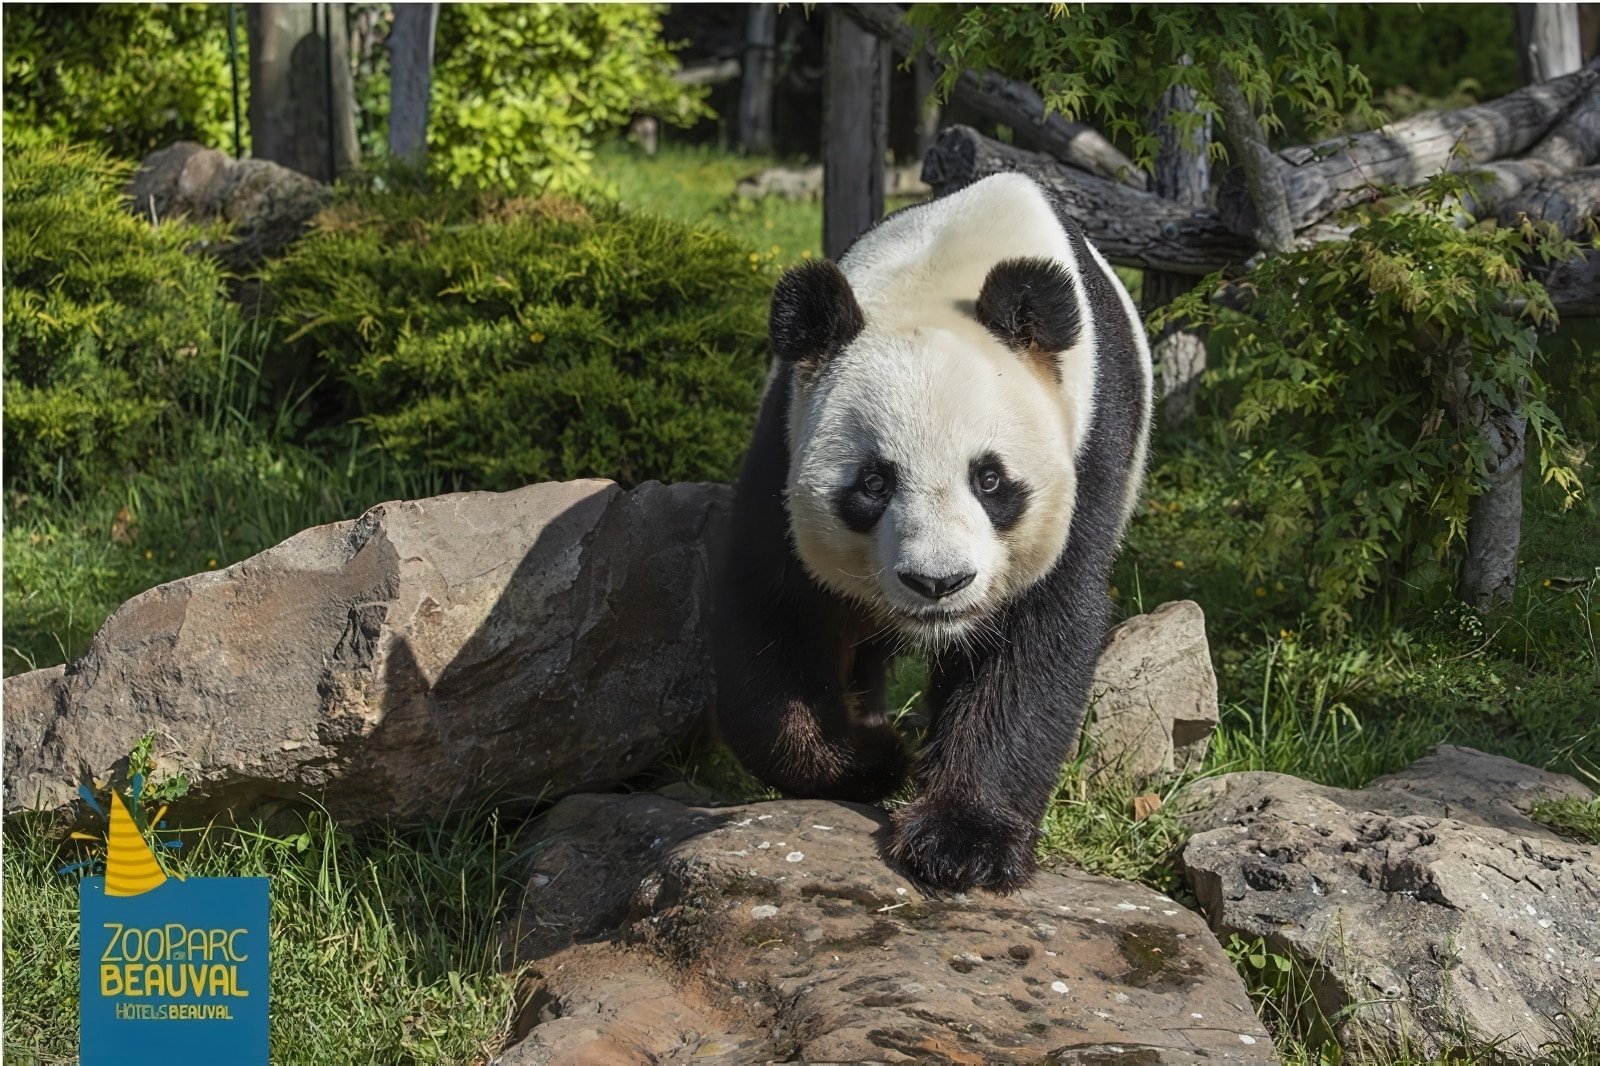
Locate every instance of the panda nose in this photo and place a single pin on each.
(935, 588)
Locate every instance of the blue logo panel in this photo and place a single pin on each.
(174, 975)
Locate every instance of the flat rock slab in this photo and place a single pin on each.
(775, 931)
(1425, 907)
(430, 652)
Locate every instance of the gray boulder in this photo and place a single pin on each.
(1424, 908)
(265, 205)
(429, 652)
(775, 931)
(1154, 702)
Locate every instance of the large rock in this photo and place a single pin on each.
(665, 933)
(1425, 907)
(427, 652)
(265, 205)
(1154, 703)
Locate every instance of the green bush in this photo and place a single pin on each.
(1344, 365)
(496, 341)
(128, 77)
(110, 327)
(523, 92)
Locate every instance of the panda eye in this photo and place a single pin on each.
(873, 483)
(987, 479)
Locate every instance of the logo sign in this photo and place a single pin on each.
(171, 971)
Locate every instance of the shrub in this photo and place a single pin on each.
(1342, 370)
(522, 92)
(497, 341)
(109, 325)
(129, 77)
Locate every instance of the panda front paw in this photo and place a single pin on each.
(955, 846)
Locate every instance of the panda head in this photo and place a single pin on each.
(931, 473)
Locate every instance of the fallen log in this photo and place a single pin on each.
(1573, 141)
(1344, 171)
(1139, 229)
(1130, 227)
(1009, 102)
(1571, 201)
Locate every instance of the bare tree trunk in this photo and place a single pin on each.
(855, 105)
(1247, 144)
(302, 113)
(1548, 41)
(1182, 175)
(1494, 520)
(411, 81)
(755, 90)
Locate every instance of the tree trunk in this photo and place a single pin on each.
(1494, 519)
(1548, 41)
(755, 89)
(1182, 175)
(1270, 222)
(411, 81)
(301, 99)
(924, 78)
(855, 104)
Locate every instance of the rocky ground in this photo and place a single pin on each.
(551, 641)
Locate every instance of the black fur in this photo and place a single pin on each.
(814, 314)
(1030, 306)
(800, 671)
(1004, 505)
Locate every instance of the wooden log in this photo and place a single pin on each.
(1574, 286)
(1130, 227)
(411, 81)
(1343, 171)
(1548, 41)
(1571, 201)
(1006, 101)
(855, 108)
(1573, 141)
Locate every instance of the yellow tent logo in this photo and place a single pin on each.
(131, 867)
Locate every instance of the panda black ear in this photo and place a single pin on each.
(1031, 307)
(814, 314)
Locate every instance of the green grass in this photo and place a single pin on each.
(384, 946)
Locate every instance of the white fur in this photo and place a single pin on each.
(930, 389)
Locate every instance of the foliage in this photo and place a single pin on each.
(384, 944)
(522, 92)
(1112, 62)
(1349, 370)
(1434, 50)
(110, 327)
(498, 341)
(1575, 817)
(129, 78)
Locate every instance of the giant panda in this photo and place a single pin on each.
(950, 444)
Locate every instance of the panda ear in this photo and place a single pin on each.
(1031, 307)
(814, 314)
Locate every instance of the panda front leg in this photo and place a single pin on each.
(1005, 718)
(797, 709)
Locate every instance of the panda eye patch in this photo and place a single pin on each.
(863, 502)
(1003, 498)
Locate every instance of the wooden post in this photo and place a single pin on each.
(755, 89)
(855, 99)
(411, 83)
(294, 63)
